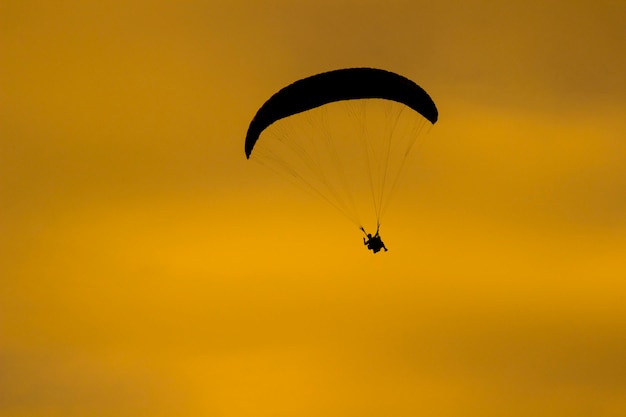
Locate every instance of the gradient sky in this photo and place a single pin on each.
(148, 269)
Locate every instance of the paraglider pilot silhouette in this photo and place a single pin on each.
(373, 243)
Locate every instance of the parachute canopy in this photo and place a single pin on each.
(343, 135)
(338, 85)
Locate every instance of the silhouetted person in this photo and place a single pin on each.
(374, 243)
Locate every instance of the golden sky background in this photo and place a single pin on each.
(148, 269)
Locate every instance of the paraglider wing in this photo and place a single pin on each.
(343, 84)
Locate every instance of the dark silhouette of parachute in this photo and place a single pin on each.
(343, 84)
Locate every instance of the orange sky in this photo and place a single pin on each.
(148, 269)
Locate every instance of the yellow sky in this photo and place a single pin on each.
(147, 268)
